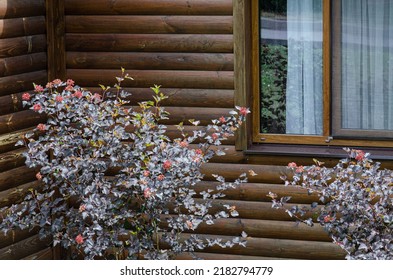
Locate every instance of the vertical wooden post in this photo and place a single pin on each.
(242, 59)
(55, 28)
(55, 34)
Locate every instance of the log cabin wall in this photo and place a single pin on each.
(23, 60)
(188, 48)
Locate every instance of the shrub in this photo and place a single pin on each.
(358, 213)
(112, 182)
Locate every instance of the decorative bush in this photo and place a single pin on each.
(113, 184)
(358, 213)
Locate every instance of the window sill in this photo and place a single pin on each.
(314, 151)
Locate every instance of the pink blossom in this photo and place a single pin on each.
(328, 219)
(78, 94)
(299, 169)
(38, 176)
(214, 136)
(167, 164)
(183, 144)
(26, 96)
(69, 88)
(222, 119)
(160, 177)
(82, 208)
(196, 159)
(146, 173)
(49, 85)
(41, 127)
(147, 193)
(59, 98)
(56, 82)
(198, 151)
(244, 111)
(189, 224)
(37, 107)
(70, 82)
(79, 239)
(38, 88)
(359, 155)
(96, 97)
(292, 165)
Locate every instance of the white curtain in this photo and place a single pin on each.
(367, 64)
(304, 107)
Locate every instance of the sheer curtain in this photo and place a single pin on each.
(304, 78)
(367, 64)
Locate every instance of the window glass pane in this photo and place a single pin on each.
(291, 66)
(367, 64)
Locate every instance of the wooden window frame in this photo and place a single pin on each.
(247, 42)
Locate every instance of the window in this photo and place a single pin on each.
(325, 72)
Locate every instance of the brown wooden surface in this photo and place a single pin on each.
(149, 43)
(22, 64)
(15, 236)
(21, 8)
(22, 45)
(149, 24)
(279, 248)
(148, 78)
(23, 248)
(16, 195)
(16, 177)
(46, 254)
(12, 159)
(18, 27)
(22, 82)
(7, 141)
(55, 29)
(20, 120)
(212, 256)
(208, 98)
(149, 7)
(150, 61)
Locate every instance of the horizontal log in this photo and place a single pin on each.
(151, 61)
(22, 82)
(24, 248)
(20, 120)
(16, 236)
(265, 173)
(178, 97)
(278, 248)
(46, 254)
(12, 103)
(25, 26)
(257, 210)
(149, 24)
(16, 177)
(12, 159)
(22, 45)
(7, 141)
(21, 8)
(231, 154)
(220, 257)
(149, 7)
(17, 194)
(263, 229)
(259, 192)
(173, 133)
(22, 64)
(148, 78)
(149, 43)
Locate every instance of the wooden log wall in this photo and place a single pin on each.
(187, 47)
(23, 60)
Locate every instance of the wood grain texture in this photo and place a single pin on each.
(23, 26)
(150, 61)
(15, 236)
(148, 78)
(12, 159)
(279, 248)
(16, 177)
(22, 45)
(17, 194)
(11, 103)
(168, 24)
(21, 82)
(7, 141)
(21, 8)
(212, 256)
(149, 7)
(23, 248)
(20, 120)
(46, 254)
(149, 43)
(22, 64)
